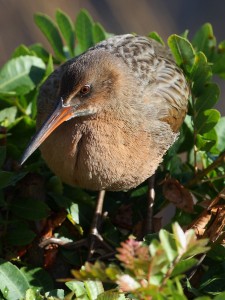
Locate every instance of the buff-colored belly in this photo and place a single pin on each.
(104, 157)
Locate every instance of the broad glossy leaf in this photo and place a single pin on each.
(169, 244)
(13, 284)
(204, 40)
(98, 33)
(182, 51)
(30, 209)
(50, 30)
(67, 30)
(206, 120)
(201, 73)
(83, 30)
(20, 75)
(208, 97)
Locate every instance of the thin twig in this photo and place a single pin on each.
(219, 161)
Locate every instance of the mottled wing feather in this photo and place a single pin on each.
(152, 64)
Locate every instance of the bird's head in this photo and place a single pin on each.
(87, 87)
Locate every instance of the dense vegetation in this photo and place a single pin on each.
(36, 205)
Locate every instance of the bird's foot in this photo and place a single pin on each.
(94, 242)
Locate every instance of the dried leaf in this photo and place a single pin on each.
(216, 228)
(178, 194)
(199, 225)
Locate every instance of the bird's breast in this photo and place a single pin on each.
(98, 154)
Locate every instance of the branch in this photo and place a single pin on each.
(219, 161)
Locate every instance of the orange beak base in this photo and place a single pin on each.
(60, 114)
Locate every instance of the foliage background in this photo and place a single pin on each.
(24, 219)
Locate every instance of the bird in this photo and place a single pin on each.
(106, 118)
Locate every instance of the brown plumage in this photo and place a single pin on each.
(116, 109)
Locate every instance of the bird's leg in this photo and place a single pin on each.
(148, 224)
(94, 235)
(96, 223)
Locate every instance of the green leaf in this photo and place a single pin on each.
(30, 209)
(206, 141)
(83, 30)
(140, 191)
(8, 116)
(20, 75)
(94, 288)
(33, 294)
(110, 295)
(49, 29)
(67, 30)
(168, 243)
(201, 73)
(204, 40)
(182, 51)
(154, 35)
(208, 97)
(206, 120)
(220, 130)
(73, 211)
(38, 278)
(182, 266)
(13, 284)
(40, 51)
(98, 33)
(58, 294)
(22, 50)
(221, 296)
(78, 288)
(218, 60)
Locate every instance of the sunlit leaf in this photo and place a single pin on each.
(168, 243)
(67, 30)
(13, 283)
(182, 51)
(20, 75)
(83, 30)
(204, 40)
(155, 36)
(206, 120)
(50, 30)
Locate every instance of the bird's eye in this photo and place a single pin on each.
(85, 90)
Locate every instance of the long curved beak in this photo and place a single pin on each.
(61, 114)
